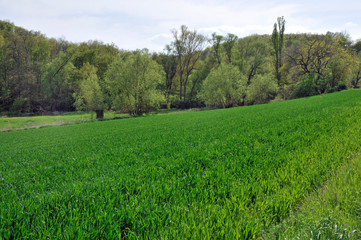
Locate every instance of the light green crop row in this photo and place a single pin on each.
(222, 174)
(16, 123)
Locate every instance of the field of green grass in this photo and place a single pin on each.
(222, 174)
(16, 123)
(331, 212)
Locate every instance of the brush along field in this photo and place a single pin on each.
(221, 174)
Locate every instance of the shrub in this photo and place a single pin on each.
(224, 87)
(261, 90)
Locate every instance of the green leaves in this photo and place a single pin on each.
(261, 90)
(133, 83)
(89, 96)
(224, 87)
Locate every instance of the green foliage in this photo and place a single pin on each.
(23, 55)
(278, 44)
(226, 173)
(19, 106)
(261, 90)
(216, 42)
(307, 87)
(90, 97)
(96, 54)
(58, 83)
(42, 72)
(187, 47)
(228, 45)
(224, 87)
(339, 87)
(357, 47)
(356, 69)
(252, 56)
(38, 74)
(324, 58)
(311, 84)
(170, 64)
(2, 41)
(196, 82)
(133, 83)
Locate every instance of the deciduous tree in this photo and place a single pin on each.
(169, 62)
(133, 83)
(224, 87)
(228, 44)
(216, 42)
(89, 95)
(278, 43)
(187, 46)
(262, 89)
(356, 71)
(251, 55)
(57, 82)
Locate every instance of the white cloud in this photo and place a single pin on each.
(351, 24)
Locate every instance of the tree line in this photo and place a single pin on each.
(40, 74)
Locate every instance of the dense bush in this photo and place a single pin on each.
(310, 85)
(262, 89)
(223, 87)
(339, 87)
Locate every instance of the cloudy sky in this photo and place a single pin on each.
(136, 24)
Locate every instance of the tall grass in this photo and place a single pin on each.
(333, 211)
(222, 174)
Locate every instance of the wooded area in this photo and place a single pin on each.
(40, 74)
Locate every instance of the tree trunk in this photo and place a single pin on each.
(192, 90)
(100, 114)
(185, 88)
(180, 85)
(358, 77)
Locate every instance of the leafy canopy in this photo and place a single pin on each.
(224, 87)
(133, 82)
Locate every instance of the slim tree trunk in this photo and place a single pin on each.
(180, 83)
(100, 114)
(185, 89)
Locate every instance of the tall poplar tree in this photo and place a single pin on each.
(278, 43)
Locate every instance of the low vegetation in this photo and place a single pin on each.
(17, 123)
(232, 173)
(333, 211)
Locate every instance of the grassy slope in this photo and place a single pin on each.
(331, 212)
(224, 173)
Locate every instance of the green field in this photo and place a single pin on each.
(332, 212)
(19, 123)
(221, 174)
